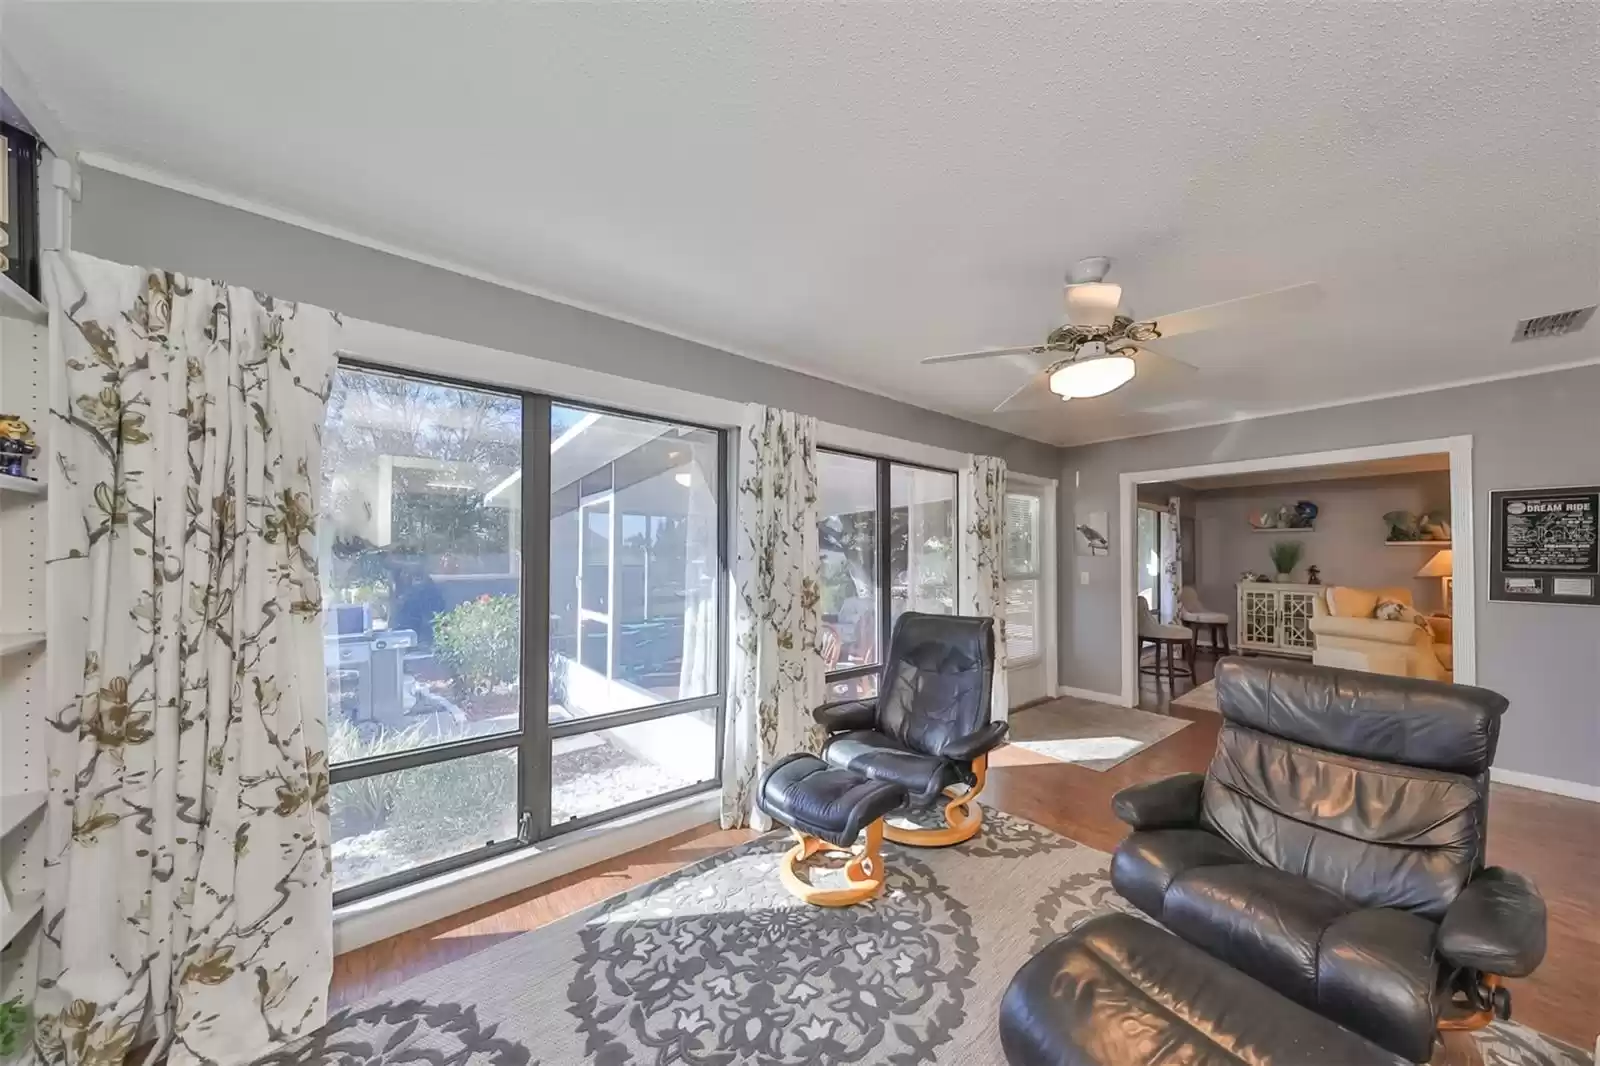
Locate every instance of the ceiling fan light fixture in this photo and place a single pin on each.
(1092, 377)
(1093, 303)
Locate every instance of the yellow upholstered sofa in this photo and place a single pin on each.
(1348, 636)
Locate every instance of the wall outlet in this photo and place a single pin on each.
(1083, 577)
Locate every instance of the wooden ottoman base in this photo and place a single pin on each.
(963, 818)
(864, 871)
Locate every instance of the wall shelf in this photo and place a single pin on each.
(1418, 543)
(1283, 529)
(11, 643)
(18, 807)
(26, 485)
(16, 303)
(24, 909)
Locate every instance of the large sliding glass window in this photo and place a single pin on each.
(465, 527)
(887, 535)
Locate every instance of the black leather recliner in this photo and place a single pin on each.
(929, 729)
(1334, 850)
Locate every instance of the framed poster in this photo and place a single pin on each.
(1544, 545)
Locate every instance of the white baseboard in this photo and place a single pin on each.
(1113, 698)
(391, 913)
(1575, 789)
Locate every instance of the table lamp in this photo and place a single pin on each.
(1441, 566)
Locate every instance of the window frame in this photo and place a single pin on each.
(883, 512)
(536, 732)
(1035, 574)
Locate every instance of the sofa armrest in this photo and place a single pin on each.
(1373, 629)
(969, 747)
(843, 717)
(1496, 925)
(1166, 803)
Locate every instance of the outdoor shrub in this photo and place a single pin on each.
(453, 801)
(479, 643)
(366, 804)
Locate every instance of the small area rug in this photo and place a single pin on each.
(717, 964)
(1094, 735)
(1200, 698)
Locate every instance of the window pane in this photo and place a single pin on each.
(421, 558)
(396, 821)
(633, 562)
(608, 768)
(1022, 534)
(1022, 619)
(855, 688)
(922, 538)
(847, 533)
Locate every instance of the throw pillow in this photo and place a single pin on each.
(1346, 602)
(1394, 611)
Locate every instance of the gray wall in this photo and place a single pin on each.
(1533, 431)
(132, 221)
(1347, 543)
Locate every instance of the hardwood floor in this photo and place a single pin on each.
(1554, 840)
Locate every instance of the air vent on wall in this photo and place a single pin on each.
(1555, 325)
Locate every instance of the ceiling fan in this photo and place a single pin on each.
(1097, 350)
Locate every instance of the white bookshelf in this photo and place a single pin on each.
(23, 910)
(27, 486)
(15, 643)
(24, 391)
(18, 807)
(16, 303)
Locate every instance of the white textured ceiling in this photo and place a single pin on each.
(847, 188)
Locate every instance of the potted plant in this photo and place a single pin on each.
(13, 1025)
(1285, 556)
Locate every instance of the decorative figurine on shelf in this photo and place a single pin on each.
(1313, 575)
(1250, 577)
(1434, 525)
(1402, 526)
(16, 446)
(1305, 515)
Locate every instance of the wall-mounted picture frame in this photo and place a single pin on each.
(1544, 545)
(1093, 533)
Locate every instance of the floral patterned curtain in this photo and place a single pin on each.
(777, 664)
(187, 877)
(1171, 560)
(981, 573)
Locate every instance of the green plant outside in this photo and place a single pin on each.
(479, 642)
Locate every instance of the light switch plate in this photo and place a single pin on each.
(1083, 577)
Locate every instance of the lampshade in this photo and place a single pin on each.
(1439, 566)
(1092, 377)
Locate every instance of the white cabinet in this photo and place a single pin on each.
(1276, 618)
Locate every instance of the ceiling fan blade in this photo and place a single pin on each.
(1148, 353)
(987, 353)
(1244, 309)
(1034, 396)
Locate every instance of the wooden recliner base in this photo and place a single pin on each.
(864, 871)
(962, 815)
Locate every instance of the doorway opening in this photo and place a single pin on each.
(1384, 518)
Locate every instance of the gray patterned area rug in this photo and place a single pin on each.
(716, 964)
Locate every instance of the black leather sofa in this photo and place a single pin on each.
(929, 729)
(1334, 850)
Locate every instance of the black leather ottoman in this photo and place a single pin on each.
(829, 808)
(1117, 991)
